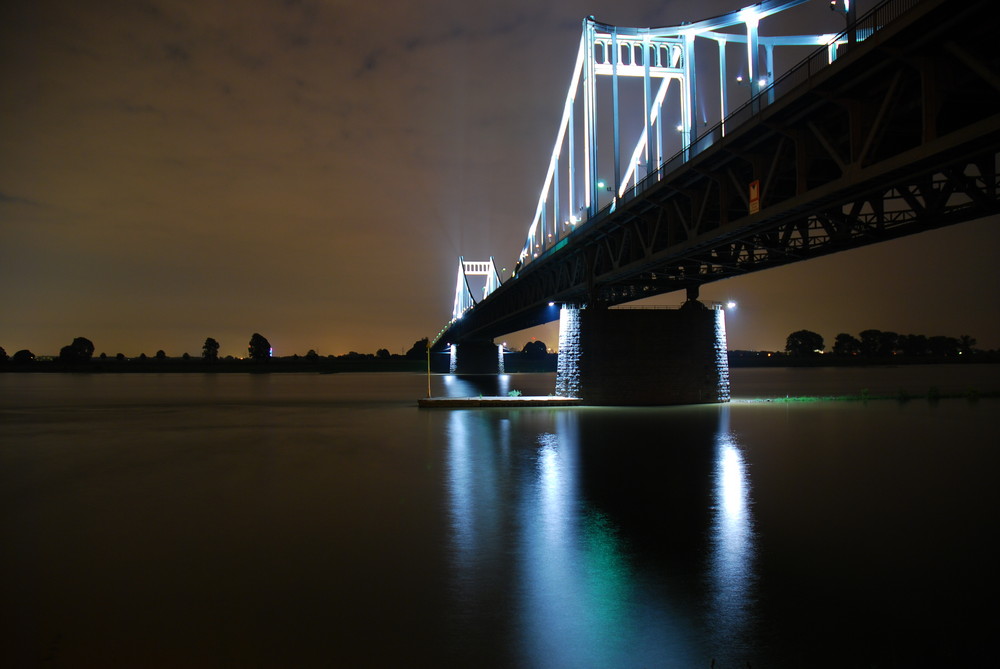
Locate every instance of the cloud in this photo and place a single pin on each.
(14, 199)
(177, 53)
(134, 108)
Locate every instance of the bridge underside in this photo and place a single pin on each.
(899, 136)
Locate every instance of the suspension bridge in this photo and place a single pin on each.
(717, 167)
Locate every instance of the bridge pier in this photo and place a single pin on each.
(643, 356)
(476, 356)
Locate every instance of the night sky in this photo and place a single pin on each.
(311, 170)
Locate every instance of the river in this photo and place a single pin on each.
(323, 520)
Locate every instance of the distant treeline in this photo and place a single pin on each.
(78, 356)
(869, 347)
(190, 364)
(802, 347)
(880, 344)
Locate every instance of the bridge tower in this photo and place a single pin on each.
(474, 356)
(652, 114)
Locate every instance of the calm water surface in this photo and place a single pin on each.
(324, 520)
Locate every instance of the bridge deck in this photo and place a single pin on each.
(898, 136)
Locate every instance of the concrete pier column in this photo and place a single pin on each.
(568, 362)
(644, 356)
(476, 357)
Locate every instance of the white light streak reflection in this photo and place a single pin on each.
(477, 455)
(581, 602)
(730, 566)
(538, 541)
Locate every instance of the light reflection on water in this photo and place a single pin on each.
(732, 541)
(456, 385)
(581, 596)
(324, 520)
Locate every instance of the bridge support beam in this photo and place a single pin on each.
(478, 356)
(618, 357)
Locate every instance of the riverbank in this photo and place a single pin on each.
(235, 366)
(498, 401)
(514, 363)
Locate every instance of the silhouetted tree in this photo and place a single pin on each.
(870, 342)
(23, 356)
(260, 348)
(943, 347)
(3, 355)
(119, 356)
(535, 349)
(804, 342)
(84, 346)
(419, 349)
(878, 343)
(186, 356)
(312, 355)
(210, 349)
(888, 344)
(81, 350)
(161, 355)
(846, 345)
(965, 344)
(383, 354)
(912, 345)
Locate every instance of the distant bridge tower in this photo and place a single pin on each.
(464, 299)
(477, 356)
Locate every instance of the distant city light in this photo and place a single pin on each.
(730, 304)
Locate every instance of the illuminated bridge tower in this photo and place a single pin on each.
(621, 216)
(474, 356)
(645, 83)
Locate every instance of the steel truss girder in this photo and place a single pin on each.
(887, 142)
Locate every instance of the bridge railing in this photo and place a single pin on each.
(800, 74)
(630, 307)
